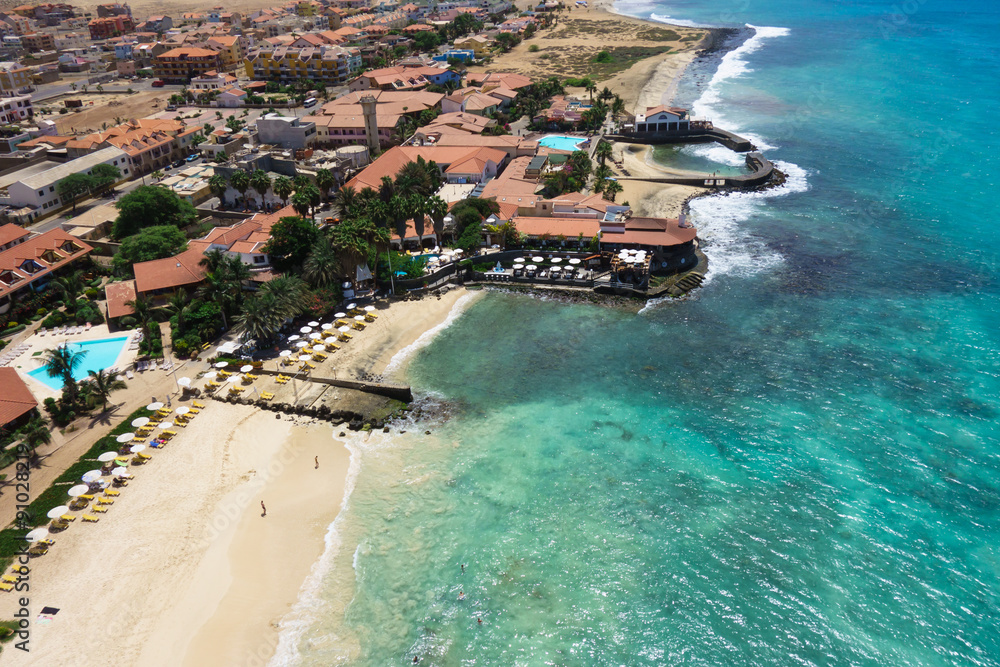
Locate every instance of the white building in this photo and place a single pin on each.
(285, 131)
(38, 190)
(15, 109)
(662, 119)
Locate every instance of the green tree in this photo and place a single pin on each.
(283, 188)
(218, 185)
(177, 305)
(260, 318)
(603, 151)
(142, 310)
(73, 187)
(35, 433)
(240, 180)
(71, 287)
(62, 362)
(324, 181)
(148, 244)
(322, 266)
(611, 190)
(426, 41)
(601, 175)
(291, 240)
(289, 293)
(102, 384)
(151, 206)
(104, 176)
(261, 182)
(436, 209)
(235, 124)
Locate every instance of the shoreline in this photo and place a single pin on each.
(198, 574)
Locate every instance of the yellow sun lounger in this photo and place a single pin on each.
(6, 588)
(236, 390)
(112, 492)
(90, 518)
(9, 579)
(198, 404)
(212, 384)
(105, 501)
(358, 326)
(100, 509)
(170, 434)
(193, 411)
(68, 517)
(310, 365)
(266, 395)
(143, 455)
(225, 374)
(371, 317)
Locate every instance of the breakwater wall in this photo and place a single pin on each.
(397, 392)
(762, 168)
(733, 142)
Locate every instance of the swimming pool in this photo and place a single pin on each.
(561, 142)
(101, 354)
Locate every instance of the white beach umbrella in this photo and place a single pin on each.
(537, 259)
(556, 260)
(369, 309)
(294, 337)
(315, 336)
(352, 306)
(302, 344)
(78, 490)
(314, 323)
(222, 364)
(344, 329)
(574, 261)
(233, 379)
(285, 353)
(107, 456)
(246, 369)
(359, 318)
(326, 326)
(339, 315)
(135, 449)
(37, 534)
(154, 406)
(519, 266)
(120, 471)
(139, 422)
(183, 410)
(531, 267)
(165, 425)
(91, 476)
(125, 437)
(184, 382)
(57, 511)
(305, 330)
(211, 375)
(319, 347)
(520, 260)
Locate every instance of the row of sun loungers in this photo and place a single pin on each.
(65, 331)
(13, 353)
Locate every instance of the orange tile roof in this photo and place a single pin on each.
(171, 272)
(16, 399)
(118, 295)
(11, 232)
(14, 277)
(390, 162)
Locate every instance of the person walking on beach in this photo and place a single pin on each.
(317, 463)
(264, 513)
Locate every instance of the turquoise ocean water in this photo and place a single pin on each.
(797, 466)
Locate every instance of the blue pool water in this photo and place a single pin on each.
(100, 354)
(561, 142)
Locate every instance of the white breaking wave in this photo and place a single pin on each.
(425, 338)
(661, 18)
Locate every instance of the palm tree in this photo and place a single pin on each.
(62, 362)
(606, 94)
(603, 151)
(437, 209)
(590, 88)
(71, 288)
(157, 175)
(289, 292)
(600, 177)
(301, 203)
(283, 188)
(142, 309)
(218, 185)
(261, 182)
(35, 433)
(324, 181)
(345, 201)
(214, 289)
(617, 106)
(178, 305)
(102, 384)
(611, 190)
(213, 261)
(322, 266)
(301, 181)
(260, 318)
(413, 177)
(240, 180)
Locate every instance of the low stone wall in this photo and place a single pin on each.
(398, 392)
(731, 141)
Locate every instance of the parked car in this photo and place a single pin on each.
(192, 157)
(179, 163)
(159, 83)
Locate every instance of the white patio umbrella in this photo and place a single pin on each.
(519, 266)
(352, 306)
(319, 347)
(537, 259)
(305, 330)
(91, 476)
(246, 369)
(294, 337)
(154, 406)
(211, 375)
(183, 410)
(235, 378)
(556, 260)
(520, 260)
(344, 329)
(301, 344)
(326, 326)
(369, 309)
(574, 261)
(338, 315)
(57, 511)
(165, 425)
(315, 336)
(107, 456)
(222, 364)
(125, 437)
(137, 448)
(359, 318)
(37, 534)
(531, 267)
(314, 323)
(184, 382)
(78, 490)
(285, 353)
(120, 471)
(139, 422)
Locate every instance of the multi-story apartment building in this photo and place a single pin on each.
(38, 41)
(14, 78)
(15, 109)
(71, 40)
(110, 26)
(180, 65)
(231, 49)
(331, 65)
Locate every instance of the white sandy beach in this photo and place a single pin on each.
(183, 569)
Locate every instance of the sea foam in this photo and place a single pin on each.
(425, 339)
